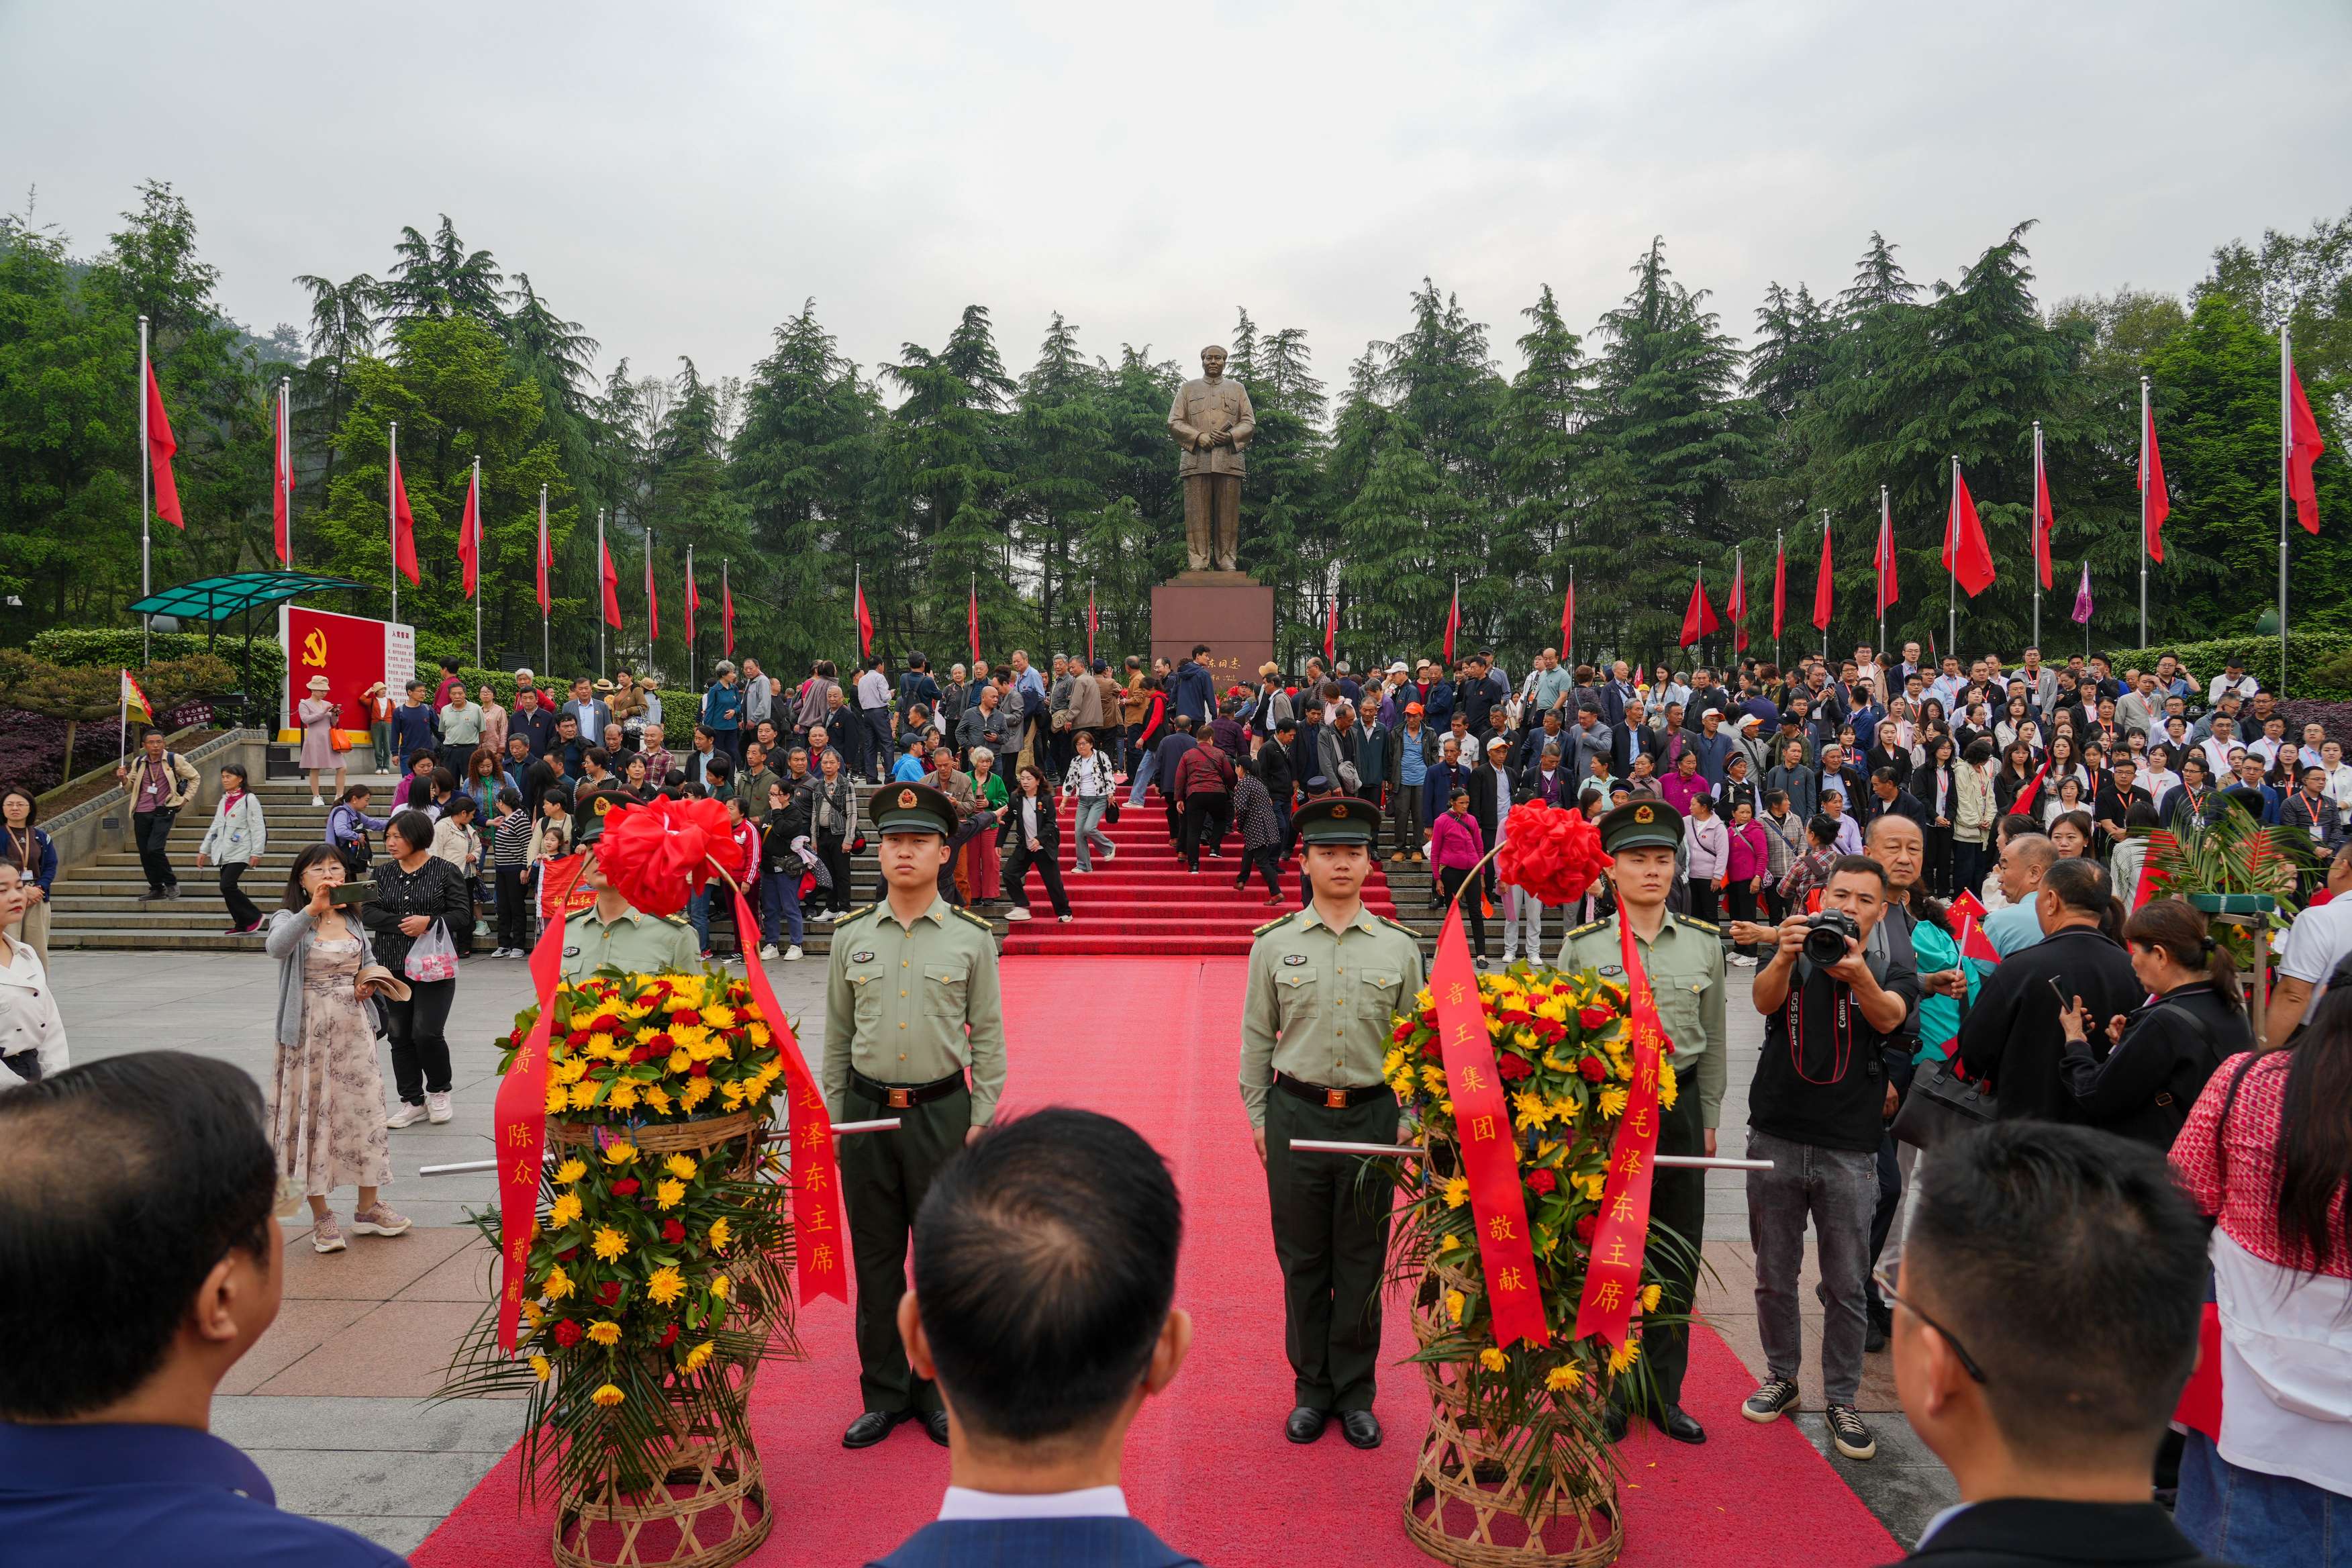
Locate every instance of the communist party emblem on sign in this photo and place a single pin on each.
(314, 649)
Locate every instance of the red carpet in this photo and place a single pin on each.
(1145, 904)
(1206, 1465)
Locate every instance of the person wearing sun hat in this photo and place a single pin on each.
(1683, 959)
(914, 1029)
(1323, 985)
(318, 713)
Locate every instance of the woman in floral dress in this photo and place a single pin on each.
(327, 1109)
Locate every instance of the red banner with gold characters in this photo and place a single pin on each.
(1613, 1277)
(1490, 1160)
(816, 1166)
(519, 1116)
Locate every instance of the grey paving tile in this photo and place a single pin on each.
(260, 1422)
(333, 1482)
(403, 1533)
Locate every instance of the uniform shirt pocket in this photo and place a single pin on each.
(1678, 1009)
(1377, 995)
(1298, 993)
(944, 989)
(866, 986)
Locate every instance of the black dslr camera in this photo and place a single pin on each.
(1827, 933)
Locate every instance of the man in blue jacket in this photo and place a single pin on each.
(1045, 1274)
(1193, 691)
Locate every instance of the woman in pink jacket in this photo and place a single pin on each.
(1455, 851)
(1748, 863)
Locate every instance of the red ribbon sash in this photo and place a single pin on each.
(816, 1169)
(1482, 1121)
(1613, 1277)
(520, 1117)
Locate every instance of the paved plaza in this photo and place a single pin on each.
(334, 1402)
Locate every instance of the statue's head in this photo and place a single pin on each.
(1213, 360)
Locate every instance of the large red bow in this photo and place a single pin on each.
(1552, 852)
(656, 856)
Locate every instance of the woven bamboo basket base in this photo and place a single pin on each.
(663, 1137)
(712, 1509)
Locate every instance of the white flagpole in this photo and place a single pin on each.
(536, 567)
(480, 576)
(1825, 631)
(1886, 548)
(2034, 505)
(1952, 563)
(285, 449)
(690, 641)
(391, 517)
(2286, 448)
(146, 503)
(1779, 569)
(649, 593)
(599, 593)
(1570, 650)
(2143, 512)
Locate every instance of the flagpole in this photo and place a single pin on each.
(599, 593)
(1825, 631)
(544, 660)
(2286, 448)
(649, 593)
(1570, 650)
(1779, 568)
(1952, 561)
(478, 582)
(692, 639)
(2034, 506)
(1887, 541)
(2143, 512)
(726, 599)
(285, 479)
(390, 514)
(146, 471)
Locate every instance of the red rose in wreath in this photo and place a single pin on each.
(1513, 1067)
(567, 1334)
(1586, 1224)
(1553, 854)
(1593, 1068)
(627, 1187)
(1541, 1181)
(658, 854)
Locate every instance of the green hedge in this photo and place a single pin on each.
(99, 647)
(2310, 658)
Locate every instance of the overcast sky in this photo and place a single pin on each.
(680, 177)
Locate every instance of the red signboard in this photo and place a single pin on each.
(353, 652)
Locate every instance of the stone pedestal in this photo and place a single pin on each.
(1224, 609)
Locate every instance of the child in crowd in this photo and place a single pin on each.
(511, 869)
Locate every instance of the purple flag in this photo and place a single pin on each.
(2083, 598)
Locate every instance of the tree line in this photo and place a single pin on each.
(1637, 453)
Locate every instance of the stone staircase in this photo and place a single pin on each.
(101, 904)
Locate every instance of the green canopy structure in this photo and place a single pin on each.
(215, 599)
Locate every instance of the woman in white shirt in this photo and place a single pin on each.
(2340, 773)
(236, 840)
(1090, 779)
(32, 1034)
(1710, 857)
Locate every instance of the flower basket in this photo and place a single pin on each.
(1518, 1468)
(658, 1275)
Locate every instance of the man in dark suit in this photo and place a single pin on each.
(1042, 1376)
(1889, 798)
(2021, 1234)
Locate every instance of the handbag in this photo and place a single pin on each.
(339, 739)
(1942, 1105)
(432, 956)
(1110, 811)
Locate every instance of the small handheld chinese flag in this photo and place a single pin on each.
(134, 702)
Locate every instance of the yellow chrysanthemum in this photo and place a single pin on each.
(1453, 1303)
(1555, 1064)
(563, 1210)
(1422, 1000)
(696, 1091)
(1458, 1192)
(620, 1153)
(1667, 1085)
(1393, 1060)
(1650, 1295)
(1448, 1243)
(1544, 1147)
(758, 1033)
(604, 1333)
(1563, 1109)
(696, 1358)
(665, 1285)
(610, 1244)
(542, 1368)
(1493, 1359)
(682, 1166)
(558, 1100)
(1564, 1379)
(720, 1285)
(533, 1313)
(636, 1009)
(1612, 1102)
(557, 1285)
(669, 1194)
(678, 1060)
(1594, 1185)
(1434, 1079)
(1524, 1039)
(719, 1236)
(574, 1070)
(733, 1095)
(623, 1096)
(1553, 1008)
(1622, 1358)
(1530, 1110)
(690, 1035)
(608, 1397)
(584, 1095)
(657, 1098)
(719, 1018)
(571, 1170)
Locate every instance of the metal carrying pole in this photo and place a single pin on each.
(840, 1129)
(1414, 1152)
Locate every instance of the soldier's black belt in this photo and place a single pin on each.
(1331, 1099)
(899, 1096)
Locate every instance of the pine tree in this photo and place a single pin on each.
(1540, 456)
(944, 476)
(1286, 539)
(1061, 446)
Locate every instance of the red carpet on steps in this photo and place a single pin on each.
(1206, 1464)
(1146, 904)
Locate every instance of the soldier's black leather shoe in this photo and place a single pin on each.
(1305, 1424)
(936, 1424)
(1361, 1428)
(1682, 1427)
(872, 1428)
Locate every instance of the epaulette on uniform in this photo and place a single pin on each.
(675, 920)
(848, 916)
(1398, 925)
(1697, 925)
(981, 921)
(1271, 924)
(1586, 929)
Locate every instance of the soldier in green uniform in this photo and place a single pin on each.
(911, 1000)
(1683, 959)
(613, 932)
(1324, 986)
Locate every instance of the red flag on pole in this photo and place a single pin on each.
(281, 488)
(1568, 620)
(546, 559)
(1735, 609)
(1967, 555)
(403, 526)
(1884, 559)
(2045, 520)
(726, 611)
(1698, 617)
(1780, 586)
(469, 535)
(1094, 623)
(865, 622)
(653, 605)
(693, 600)
(159, 447)
(2304, 448)
(1330, 632)
(2157, 504)
(1824, 585)
(1453, 620)
(611, 590)
(971, 621)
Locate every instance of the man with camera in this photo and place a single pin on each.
(1834, 1007)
